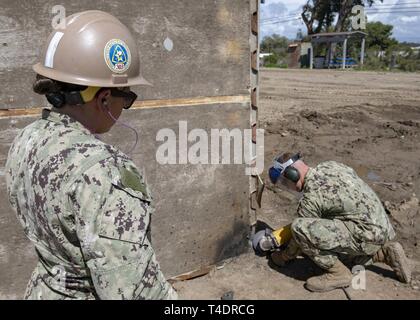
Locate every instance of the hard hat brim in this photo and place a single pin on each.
(92, 82)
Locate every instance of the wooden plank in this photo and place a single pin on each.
(192, 274)
(147, 104)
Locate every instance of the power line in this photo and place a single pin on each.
(291, 18)
(382, 12)
(281, 21)
(298, 18)
(394, 5)
(283, 16)
(370, 10)
(277, 18)
(280, 18)
(394, 9)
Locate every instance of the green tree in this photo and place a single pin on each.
(319, 15)
(380, 35)
(275, 44)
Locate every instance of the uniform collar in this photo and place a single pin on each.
(64, 119)
(308, 177)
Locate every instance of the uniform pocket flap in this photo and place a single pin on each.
(130, 181)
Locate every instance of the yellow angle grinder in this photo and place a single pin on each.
(269, 240)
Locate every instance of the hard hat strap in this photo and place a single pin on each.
(71, 98)
(89, 93)
(283, 166)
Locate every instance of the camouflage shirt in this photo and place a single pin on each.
(86, 208)
(334, 191)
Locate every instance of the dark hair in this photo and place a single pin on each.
(44, 86)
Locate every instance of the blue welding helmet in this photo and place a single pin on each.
(281, 169)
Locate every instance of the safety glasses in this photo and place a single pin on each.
(129, 96)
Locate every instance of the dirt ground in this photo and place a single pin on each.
(368, 120)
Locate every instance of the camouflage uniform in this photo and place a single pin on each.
(86, 208)
(341, 217)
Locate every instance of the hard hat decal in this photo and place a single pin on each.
(117, 56)
(52, 48)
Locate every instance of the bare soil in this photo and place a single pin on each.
(367, 120)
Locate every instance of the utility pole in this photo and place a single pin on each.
(393, 60)
(362, 52)
(344, 53)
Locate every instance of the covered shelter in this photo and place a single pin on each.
(338, 37)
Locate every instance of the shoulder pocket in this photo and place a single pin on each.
(129, 180)
(127, 212)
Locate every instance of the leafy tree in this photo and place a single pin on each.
(319, 15)
(274, 44)
(380, 35)
(271, 60)
(277, 46)
(316, 15)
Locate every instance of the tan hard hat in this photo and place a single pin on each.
(94, 49)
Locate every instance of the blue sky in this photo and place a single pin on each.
(406, 24)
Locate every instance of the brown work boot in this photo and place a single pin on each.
(334, 278)
(394, 256)
(280, 258)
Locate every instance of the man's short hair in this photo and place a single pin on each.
(285, 156)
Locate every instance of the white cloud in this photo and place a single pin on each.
(278, 17)
(409, 19)
(291, 4)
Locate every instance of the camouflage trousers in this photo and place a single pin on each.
(327, 240)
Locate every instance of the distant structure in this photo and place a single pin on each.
(337, 37)
(301, 54)
(263, 57)
(416, 49)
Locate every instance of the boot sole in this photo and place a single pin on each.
(308, 287)
(398, 256)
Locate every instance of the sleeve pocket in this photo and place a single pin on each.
(126, 217)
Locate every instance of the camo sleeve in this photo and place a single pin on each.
(112, 207)
(309, 207)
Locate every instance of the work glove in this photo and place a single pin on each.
(291, 252)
